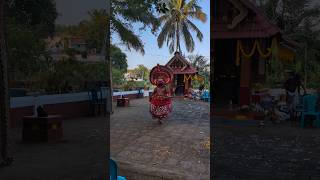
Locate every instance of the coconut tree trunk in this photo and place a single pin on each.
(4, 95)
(178, 49)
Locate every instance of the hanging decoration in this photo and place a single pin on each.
(187, 77)
(195, 77)
(186, 80)
(256, 46)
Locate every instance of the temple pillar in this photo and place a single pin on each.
(245, 78)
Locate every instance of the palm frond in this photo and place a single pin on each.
(199, 15)
(187, 37)
(177, 23)
(171, 46)
(127, 36)
(166, 30)
(195, 29)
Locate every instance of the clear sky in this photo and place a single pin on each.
(154, 55)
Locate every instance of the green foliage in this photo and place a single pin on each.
(68, 76)
(298, 21)
(117, 76)
(26, 52)
(201, 63)
(142, 72)
(27, 23)
(118, 59)
(38, 14)
(132, 85)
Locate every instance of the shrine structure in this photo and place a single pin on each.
(244, 42)
(184, 73)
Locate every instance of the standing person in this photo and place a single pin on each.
(293, 86)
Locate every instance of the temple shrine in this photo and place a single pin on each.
(243, 43)
(183, 73)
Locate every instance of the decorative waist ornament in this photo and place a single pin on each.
(160, 101)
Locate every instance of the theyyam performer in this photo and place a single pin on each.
(160, 101)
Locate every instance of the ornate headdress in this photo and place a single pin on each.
(161, 75)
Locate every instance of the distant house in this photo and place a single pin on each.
(129, 76)
(55, 44)
(77, 44)
(58, 46)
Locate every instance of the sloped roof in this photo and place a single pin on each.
(187, 69)
(260, 27)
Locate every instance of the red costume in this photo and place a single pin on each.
(160, 101)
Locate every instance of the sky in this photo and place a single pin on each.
(71, 12)
(154, 55)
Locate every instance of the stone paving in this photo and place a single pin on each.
(81, 155)
(177, 149)
(242, 150)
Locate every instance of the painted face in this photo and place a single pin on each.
(160, 82)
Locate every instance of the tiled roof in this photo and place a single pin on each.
(260, 27)
(187, 70)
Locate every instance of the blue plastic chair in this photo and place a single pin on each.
(96, 100)
(114, 171)
(309, 103)
(206, 96)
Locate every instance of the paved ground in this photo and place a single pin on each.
(242, 150)
(79, 156)
(177, 149)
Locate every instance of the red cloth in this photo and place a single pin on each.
(160, 107)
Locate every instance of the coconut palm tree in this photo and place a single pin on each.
(176, 23)
(199, 62)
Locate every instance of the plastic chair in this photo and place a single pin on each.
(96, 99)
(206, 96)
(309, 103)
(114, 171)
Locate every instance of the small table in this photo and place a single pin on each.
(123, 102)
(42, 129)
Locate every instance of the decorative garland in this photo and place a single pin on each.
(257, 46)
(195, 77)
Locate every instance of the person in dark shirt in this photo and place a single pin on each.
(293, 88)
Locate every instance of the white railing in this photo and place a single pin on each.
(16, 102)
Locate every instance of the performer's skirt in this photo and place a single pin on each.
(160, 108)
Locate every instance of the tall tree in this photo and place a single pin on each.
(39, 14)
(201, 64)
(176, 23)
(118, 59)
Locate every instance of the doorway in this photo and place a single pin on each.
(179, 85)
(226, 80)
